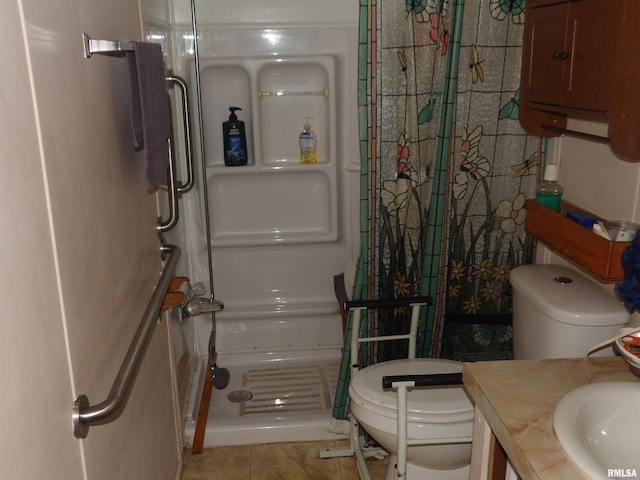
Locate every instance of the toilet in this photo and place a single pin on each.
(560, 313)
(432, 413)
(557, 313)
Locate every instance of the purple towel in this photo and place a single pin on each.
(150, 114)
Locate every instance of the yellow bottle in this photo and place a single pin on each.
(307, 143)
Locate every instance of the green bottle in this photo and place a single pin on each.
(549, 192)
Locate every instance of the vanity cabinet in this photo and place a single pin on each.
(579, 61)
(514, 404)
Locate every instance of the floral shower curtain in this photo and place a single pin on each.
(445, 171)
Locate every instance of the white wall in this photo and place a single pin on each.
(36, 399)
(78, 250)
(219, 24)
(597, 180)
(242, 12)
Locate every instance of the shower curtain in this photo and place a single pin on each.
(445, 172)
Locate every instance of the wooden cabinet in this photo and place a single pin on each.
(581, 59)
(624, 122)
(570, 55)
(544, 35)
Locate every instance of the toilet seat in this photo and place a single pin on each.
(434, 405)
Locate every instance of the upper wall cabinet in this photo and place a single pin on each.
(569, 54)
(579, 61)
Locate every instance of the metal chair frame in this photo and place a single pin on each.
(401, 383)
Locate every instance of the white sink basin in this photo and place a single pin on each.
(598, 426)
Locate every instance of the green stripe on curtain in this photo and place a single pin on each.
(432, 283)
(341, 402)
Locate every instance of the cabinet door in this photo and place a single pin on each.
(592, 39)
(544, 44)
(624, 122)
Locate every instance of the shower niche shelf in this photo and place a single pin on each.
(288, 92)
(275, 95)
(273, 207)
(273, 199)
(576, 243)
(224, 84)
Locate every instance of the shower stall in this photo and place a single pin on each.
(273, 232)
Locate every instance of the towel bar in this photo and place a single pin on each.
(86, 415)
(104, 47)
(117, 48)
(576, 133)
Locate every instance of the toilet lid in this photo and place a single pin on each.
(366, 386)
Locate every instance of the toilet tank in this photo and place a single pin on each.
(560, 313)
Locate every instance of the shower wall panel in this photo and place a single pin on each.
(280, 229)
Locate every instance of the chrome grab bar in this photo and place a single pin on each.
(86, 415)
(186, 125)
(174, 188)
(172, 193)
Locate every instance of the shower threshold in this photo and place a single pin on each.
(271, 397)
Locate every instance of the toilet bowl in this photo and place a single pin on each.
(432, 413)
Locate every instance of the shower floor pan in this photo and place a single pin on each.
(268, 400)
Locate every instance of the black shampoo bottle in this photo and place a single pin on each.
(235, 140)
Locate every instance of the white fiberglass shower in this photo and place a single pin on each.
(279, 229)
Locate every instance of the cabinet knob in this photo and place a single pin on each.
(560, 55)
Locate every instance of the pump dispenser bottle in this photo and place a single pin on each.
(549, 192)
(235, 140)
(307, 143)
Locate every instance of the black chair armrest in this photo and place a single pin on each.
(425, 380)
(390, 303)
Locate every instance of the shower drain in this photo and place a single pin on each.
(239, 396)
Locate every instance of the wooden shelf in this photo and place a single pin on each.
(576, 243)
(174, 295)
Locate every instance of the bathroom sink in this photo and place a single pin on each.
(597, 425)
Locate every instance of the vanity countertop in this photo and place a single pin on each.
(517, 398)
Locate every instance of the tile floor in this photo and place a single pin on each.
(276, 461)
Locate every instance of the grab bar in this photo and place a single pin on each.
(172, 193)
(86, 415)
(186, 126)
(174, 188)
